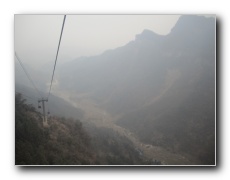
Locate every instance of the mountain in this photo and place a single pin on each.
(182, 116)
(161, 88)
(126, 78)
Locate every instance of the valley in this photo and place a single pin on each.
(151, 101)
(100, 118)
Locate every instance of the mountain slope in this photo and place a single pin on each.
(126, 78)
(67, 142)
(162, 88)
(35, 145)
(56, 105)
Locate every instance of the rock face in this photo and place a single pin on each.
(162, 88)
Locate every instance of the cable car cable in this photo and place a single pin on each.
(57, 55)
(27, 74)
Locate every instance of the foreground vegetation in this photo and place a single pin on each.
(66, 141)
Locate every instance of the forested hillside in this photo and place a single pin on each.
(66, 141)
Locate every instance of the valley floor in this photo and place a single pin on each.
(94, 114)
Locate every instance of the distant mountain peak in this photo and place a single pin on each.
(148, 32)
(147, 35)
(191, 23)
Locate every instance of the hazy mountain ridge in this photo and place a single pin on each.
(161, 87)
(136, 72)
(184, 117)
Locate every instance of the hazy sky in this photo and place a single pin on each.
(37, 36)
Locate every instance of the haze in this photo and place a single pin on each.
(37, 36)
(139, 96)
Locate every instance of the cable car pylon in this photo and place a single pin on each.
(43, 100)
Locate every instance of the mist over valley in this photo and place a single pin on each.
(148, 102)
